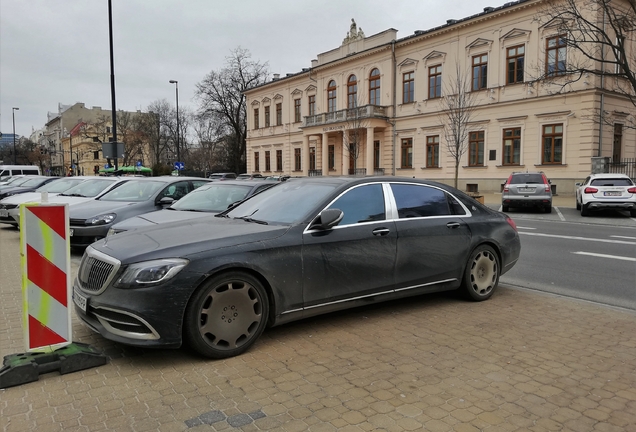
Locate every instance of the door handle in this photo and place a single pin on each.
(452, 225)
(380, 231)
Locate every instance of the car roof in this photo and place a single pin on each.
(609, 175)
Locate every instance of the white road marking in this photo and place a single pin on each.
(623, 237)
(559, 213)
(606, 256)
(522, 227)
(579, 238)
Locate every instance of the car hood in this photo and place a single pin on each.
(26, 197)
(185, 239)
(70, 200)
(86, 210)
(158, 217)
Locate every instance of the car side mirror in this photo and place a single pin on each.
(166, 201)
(327, 219)
(577, 184)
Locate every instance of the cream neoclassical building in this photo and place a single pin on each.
(374, 106)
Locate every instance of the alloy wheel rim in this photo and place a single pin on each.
(483, 273)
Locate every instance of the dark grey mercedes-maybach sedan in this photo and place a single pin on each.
(306, 247)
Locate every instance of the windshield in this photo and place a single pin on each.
(60, 185)
(287, 203)
(214, 198)
(611, 182)
(89, 188)
(33, 182)
(19, 181)
(134, 191)
(527, 179)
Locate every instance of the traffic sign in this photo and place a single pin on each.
(179, 166)
(138, 163)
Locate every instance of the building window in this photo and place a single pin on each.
(331, 96)
(256, 121)
(555, 53)
(297, 110)
(266, 116)
(407, 152)
(432, 151)
(96, 155)
(376, 154)
(435, 82)
(476, 148)
(257, 167)
(374, 87)
(312, 158)
(267, 161)
(279, 160)
(332, 157)
(352, 92)
(480, 72)
(552, 144)
(279, 114)
(408, 87)
(297, 159)
(618, 142)
(312, 105)
(514, 66)
(511, 146)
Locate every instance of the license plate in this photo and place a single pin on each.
(526, 189)
(612, 193)
(80, 300)
(70, 232)
(4, 213)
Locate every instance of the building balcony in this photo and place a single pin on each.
(348, 115)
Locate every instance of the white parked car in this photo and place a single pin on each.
(80, 193)
(606, 191)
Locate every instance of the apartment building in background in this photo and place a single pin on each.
(375, 106)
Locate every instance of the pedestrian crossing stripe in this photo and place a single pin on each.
(46, 284)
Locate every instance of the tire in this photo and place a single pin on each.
(505, 208)
(584, 210)
(578, 206)
(481, 276)
(632, 213)
(548, 209)
(226, 315)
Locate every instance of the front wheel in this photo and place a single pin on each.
(226, 315)
(584, 210)
(482, 274)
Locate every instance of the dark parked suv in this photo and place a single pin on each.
(527, 189)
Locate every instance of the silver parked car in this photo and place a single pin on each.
(527, 189)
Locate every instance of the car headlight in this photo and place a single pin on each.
(150, 273)
(101, 219)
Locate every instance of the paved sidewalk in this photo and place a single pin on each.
(522, 361)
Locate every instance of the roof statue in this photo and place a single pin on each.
(353, 34)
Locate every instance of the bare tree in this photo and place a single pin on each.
(221, 97)
(356, 122)
(599, 38)
(458, 107)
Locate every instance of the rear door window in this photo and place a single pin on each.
(421, 201)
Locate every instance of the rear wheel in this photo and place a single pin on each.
(482, 274)
(226, 315)
(632, 213)
(584, 210)
(505, 208)
(578, 205)
(548, 209)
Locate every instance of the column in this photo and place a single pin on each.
(345, 155)
(369, 153)
(305, 155)
(325, 154)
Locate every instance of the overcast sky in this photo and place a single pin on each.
(57, 51)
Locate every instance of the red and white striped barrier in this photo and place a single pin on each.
(46, 276)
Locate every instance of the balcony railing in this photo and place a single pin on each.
(350, 115)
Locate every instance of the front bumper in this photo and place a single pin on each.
(86, 235)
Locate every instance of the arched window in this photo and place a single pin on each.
(374, 87)
(352, 92)
(331, 96)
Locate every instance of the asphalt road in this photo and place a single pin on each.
(591, 258)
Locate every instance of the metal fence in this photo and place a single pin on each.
(608, 165)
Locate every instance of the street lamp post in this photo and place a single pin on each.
(176, 87)
(13, 110)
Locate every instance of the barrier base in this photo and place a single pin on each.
(27, 367)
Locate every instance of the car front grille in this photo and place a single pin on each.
(96, 271)
(77, 222)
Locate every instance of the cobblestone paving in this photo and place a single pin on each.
(522, 361)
